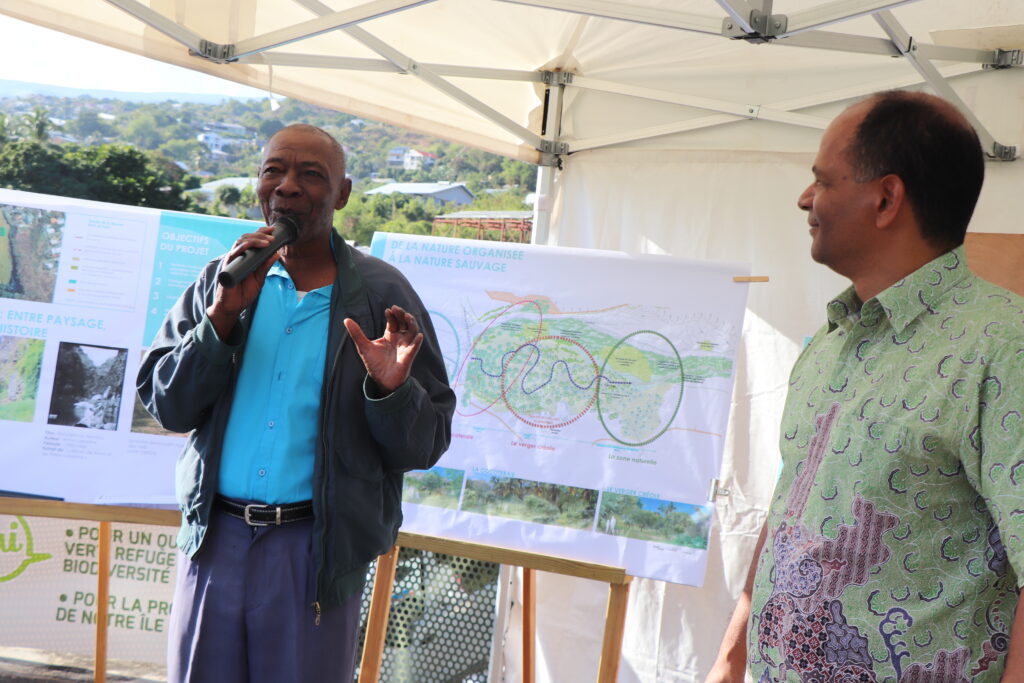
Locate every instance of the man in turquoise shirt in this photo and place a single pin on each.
(300, 428)
(894, 545)
(271, 434)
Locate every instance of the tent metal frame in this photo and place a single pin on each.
(749, 20)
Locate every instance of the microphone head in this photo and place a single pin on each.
(286, 227)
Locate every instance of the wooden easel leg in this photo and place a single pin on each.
(377, 621)
(529, 624)
(102, 598)
(614, 630)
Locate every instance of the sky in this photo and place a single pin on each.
(32, 53)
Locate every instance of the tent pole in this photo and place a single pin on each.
(553, 97)
(904, 42)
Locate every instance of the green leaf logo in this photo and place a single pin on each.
(16, 549)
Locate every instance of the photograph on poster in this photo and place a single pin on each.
(87, 386)
(438, 486)
(30, 243)
(530, 501)
(652, 519)
(20, 363)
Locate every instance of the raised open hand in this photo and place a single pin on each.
(388, 360)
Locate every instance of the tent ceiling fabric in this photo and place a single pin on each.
(470, 70)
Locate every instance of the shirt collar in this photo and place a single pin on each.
(278, 270)
(905, 300)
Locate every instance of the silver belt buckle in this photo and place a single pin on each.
(249, 520)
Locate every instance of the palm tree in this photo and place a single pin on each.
(38, 124)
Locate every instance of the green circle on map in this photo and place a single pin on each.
(635, 388)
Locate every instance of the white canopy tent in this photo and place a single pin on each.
(684, 127)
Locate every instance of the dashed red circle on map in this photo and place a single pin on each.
(521, 376)
(461, 379)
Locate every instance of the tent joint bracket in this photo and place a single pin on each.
(215, 52)
(553, 147)
(766, 27)
(556, 77)
(1006, 59)
(1001, 152)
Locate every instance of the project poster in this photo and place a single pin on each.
(83, 288)
(593, 393)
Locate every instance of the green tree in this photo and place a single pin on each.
(38, 124)
(268, 127)
(184, 150)
(6, 129)
(227, 198)
(88, 125)
(107, 173)
(144, 132)
(37, 167)
(229, 195)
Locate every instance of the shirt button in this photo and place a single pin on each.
(287, 330)
(262, 472)
(270, 424)
(291, 286)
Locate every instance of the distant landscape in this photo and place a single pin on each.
(157, 150)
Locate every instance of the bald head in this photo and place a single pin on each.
(932, 147)
(339, 151)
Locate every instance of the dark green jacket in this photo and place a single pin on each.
(187, 380)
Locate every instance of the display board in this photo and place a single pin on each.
(594, 387)
(593, 391)
(83, 289)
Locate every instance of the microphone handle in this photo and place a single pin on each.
(250, 259)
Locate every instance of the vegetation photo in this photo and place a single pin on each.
(651, 519)
(438, 486)
(20, 364)
(530, 501)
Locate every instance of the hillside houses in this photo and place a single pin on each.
(410, 159)
(222, 138)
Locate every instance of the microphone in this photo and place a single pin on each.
(285, 232)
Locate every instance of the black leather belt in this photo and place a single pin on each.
(265, 515)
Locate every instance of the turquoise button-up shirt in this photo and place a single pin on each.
(270, 442)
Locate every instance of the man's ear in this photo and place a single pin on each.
(345, 191)
(892, 196)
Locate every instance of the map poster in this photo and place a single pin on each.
(593, 392)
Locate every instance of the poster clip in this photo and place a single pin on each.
(750, 278)
(716, 489)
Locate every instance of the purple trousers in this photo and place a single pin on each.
(243, 610)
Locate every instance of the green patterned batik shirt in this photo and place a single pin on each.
(896, 534)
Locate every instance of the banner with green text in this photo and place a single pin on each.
(48, 571)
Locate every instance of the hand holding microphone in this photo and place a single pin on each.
(285, 230)
(241, 277)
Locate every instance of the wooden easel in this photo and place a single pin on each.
(615, 614)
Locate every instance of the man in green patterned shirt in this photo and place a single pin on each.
(895, 540)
